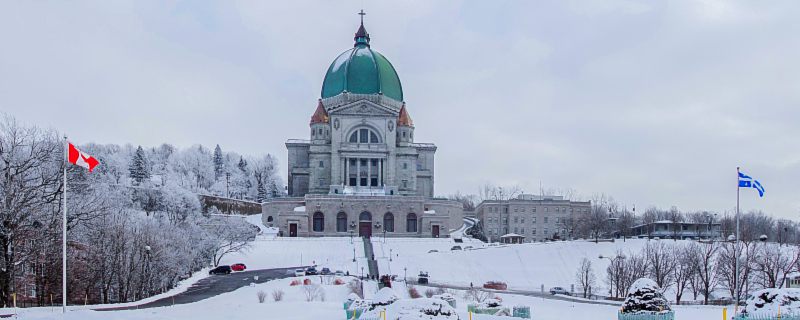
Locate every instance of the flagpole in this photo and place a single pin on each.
(64, 234)
(735, 254)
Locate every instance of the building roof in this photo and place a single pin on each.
(320, 115)
(403, 119)
(362, 70)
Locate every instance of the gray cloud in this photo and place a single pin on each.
(654, 103)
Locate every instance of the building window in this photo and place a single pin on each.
(405, 165)
(388, 222)
(522, 220)
(322, 182)
(411, 222)
(320, 131)
(533, 231)
(341, 222)
(405, 184)
(533, 219)
(521, 230)
(545, 219)
(534, 210)
(322, 164)
(319, 222)
(505, 210)
(363, 136)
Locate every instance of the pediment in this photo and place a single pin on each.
(363, 107)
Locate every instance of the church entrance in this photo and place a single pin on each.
(292, 229)
(435, 231)
(365, 224)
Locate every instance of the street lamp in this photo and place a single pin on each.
(354, 253)
(362, 272)
(390, 254)
(405, 275)
(611, 284)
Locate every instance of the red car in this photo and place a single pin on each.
(496, 285)
(238, 267)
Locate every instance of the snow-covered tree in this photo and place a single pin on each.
(139, 168)
(219, 163)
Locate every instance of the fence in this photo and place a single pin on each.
(646, 316)
(767, 317)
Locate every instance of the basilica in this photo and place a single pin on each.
(361, 172)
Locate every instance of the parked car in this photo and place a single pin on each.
(422, 278)
(311, 271)
(496, 285)
(299, 273)
(238, 267)
(559, 290)
(339, 273)
(220, 270)
(325, 271)
(468, 248)
(432, 251)
(454, 248)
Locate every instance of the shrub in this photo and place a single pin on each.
(440, 291)
(306, 282)
(313, 292)
(429, 293)
(477, 295)
(413, 293)
(338, 282)
(295, 283)
(277, 295)
(261, 296)
(355, 287)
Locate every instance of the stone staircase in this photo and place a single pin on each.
(369, 253)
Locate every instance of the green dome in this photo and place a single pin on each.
(362, 70)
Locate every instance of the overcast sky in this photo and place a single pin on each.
(654, 103)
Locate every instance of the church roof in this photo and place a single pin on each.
(320, 115)
(404, 119)
(362, 70)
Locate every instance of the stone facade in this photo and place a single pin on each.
(537, 218)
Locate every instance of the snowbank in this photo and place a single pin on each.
(768, 302)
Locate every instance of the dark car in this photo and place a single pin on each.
(238, 267)
(423, 278)
(559, 290)
(325, 271)
(220, 270)
(311, 271)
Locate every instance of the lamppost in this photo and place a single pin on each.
(390, 254)
(405, 275)
(362, 272)
(612, 260)
(354, 253)
(351, 237)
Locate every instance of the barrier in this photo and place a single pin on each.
(646, 316)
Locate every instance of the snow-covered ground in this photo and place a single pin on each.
(526, 266)
(522, 266)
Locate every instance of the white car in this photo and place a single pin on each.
(299, 273)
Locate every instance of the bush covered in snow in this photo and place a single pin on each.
(415, 309)
(644, 296)
(768, 301)
(384, 297)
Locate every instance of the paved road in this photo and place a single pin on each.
(213, 286)
(537, 294)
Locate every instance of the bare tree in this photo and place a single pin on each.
(232, 235)
(683, 272)
(585, 276)
(773, 264)
(661, 263)
(703, 260)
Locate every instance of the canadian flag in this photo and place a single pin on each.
(79, 158)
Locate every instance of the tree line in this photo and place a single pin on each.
(135, 226)
(703, 269)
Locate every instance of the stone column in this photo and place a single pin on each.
(380, 172)
(369, 172)
(358, 172)
(344, 171)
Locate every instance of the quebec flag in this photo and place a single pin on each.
(746, 181)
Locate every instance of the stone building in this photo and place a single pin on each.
(361, 172)
(537, 218)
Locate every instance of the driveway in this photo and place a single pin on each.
(213, 286)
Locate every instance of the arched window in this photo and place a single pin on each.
(341, 222)
(411, 222)
(388, 222)
(365, 216)
(364, 135)
(319, 222)
(269, 219)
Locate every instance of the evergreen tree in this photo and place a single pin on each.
(242, 164)
(139, 168)
(219, 163)
(261, 196)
